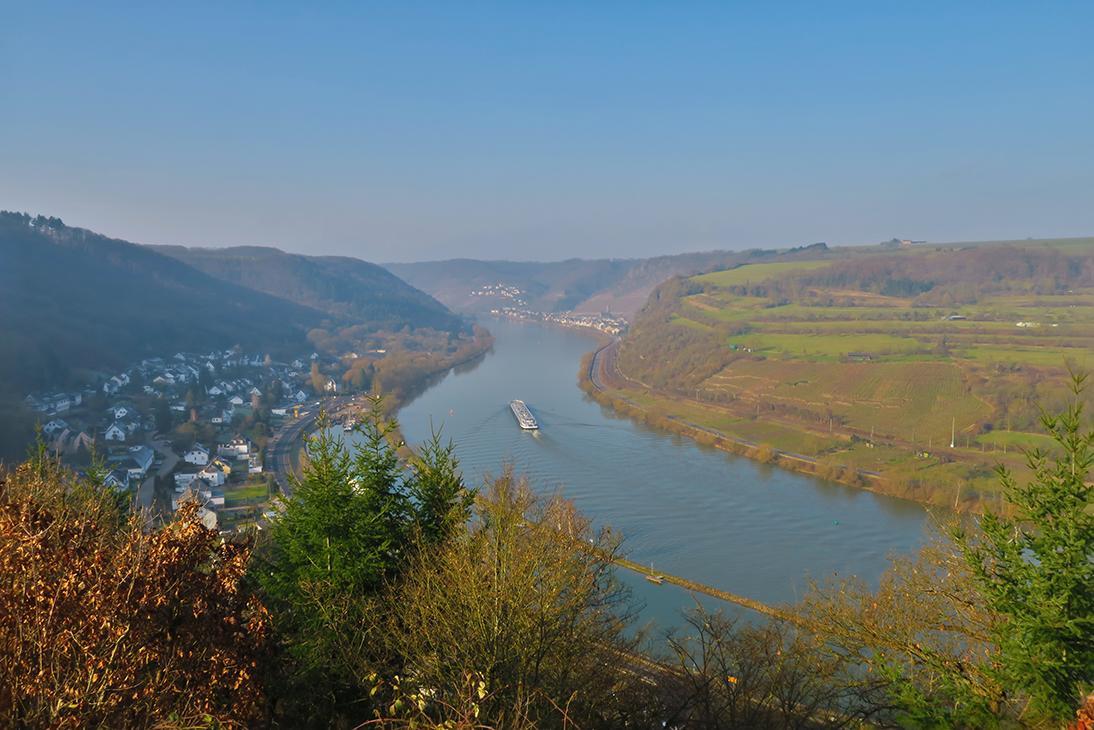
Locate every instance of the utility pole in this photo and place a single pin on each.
(953, 430)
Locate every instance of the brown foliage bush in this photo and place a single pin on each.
(106, 623)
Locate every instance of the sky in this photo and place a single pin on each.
(538, 131)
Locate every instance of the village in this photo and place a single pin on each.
(191, 427)
(604, 322)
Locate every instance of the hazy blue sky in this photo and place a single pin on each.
(403, 131)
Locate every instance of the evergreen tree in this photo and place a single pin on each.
(441, 499)
(1036, 570)
(346, 533)
(331, 533)
(379, 474)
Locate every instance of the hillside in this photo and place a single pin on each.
(75, 300)
(76, 305)
(350, 290)
(873, 361)
(581, 285)
(553, 286)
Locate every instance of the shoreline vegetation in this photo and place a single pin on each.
(613, 397)
(407, 390)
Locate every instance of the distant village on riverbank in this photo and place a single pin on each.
(516, 308)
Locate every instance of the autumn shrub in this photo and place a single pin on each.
(526, 602)
(765, 454)
(105, 622)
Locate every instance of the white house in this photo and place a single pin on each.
(197, 455)
(118, 478)
(212, 497)
(215, 390)
(60, 403)
(115, 433)
(235, 400)
(237, 448)
(254, 391)
(133, 468)
(213, 475)
(143, 456)
(183, 479)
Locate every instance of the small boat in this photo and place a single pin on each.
(655, 578)
(348, 425)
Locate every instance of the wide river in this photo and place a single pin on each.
(689, 510)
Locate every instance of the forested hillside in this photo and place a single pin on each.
(74, 300)
(76, 305)
(355, 291)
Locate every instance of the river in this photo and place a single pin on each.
(693, 511)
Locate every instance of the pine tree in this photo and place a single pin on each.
(442, 501)
(378, 473)
(330, 534)
(1036, 570)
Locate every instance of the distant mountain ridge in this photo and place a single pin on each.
(349, 289)
(582, 285)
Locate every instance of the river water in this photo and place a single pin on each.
(693, 511)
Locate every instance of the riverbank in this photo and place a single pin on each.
(600, 380)
(730, 524)
(284, 450)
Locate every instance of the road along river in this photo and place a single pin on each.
(696, 512)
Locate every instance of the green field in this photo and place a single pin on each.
(828, 347)
(753, 273)
(245, 494)
(1018, 440)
